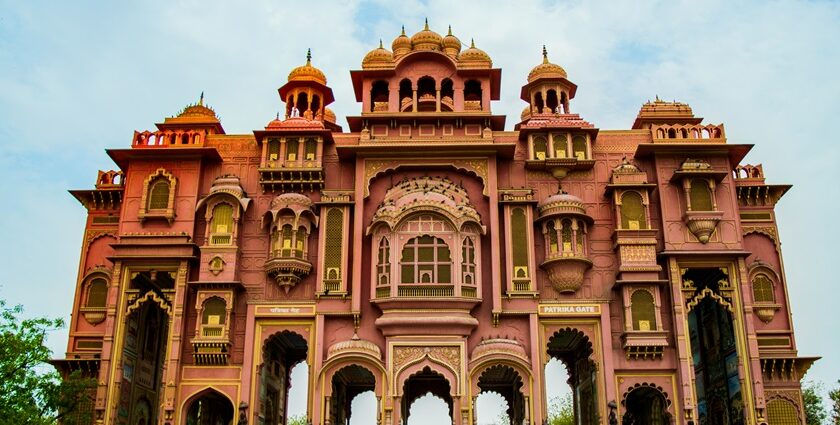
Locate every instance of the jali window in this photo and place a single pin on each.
(426, 259)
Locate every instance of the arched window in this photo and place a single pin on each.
(762, 288)
(472, 95)
(310, 149)
(579, 147)
(551, 100)
(552, 237)
(291, 149)
(581, 229)
(222, 221)
(286, 240)
(426, 95)
(540, 147)
(643, 311)
(214, 312)
(559, 141)
(97, 293)
(632, 209)
(159, 194)
(700, 195)
(300, 242)
(302, 102)
(566, 236)
(519, 240)
(447, 95)
(333, 244)
(468, 261)
(379, 96)
(426, 259)
(538, 102)
(405, 94)
(273, 149)
(383, 264)
(782, 412)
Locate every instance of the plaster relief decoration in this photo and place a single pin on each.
(291, 221)
(564, 225)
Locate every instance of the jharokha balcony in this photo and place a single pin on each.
(287, 267)
(565, 226)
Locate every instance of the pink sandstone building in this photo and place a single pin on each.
(424, 249)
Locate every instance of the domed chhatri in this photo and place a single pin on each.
(308, 72)
(427, 39)
(401, 45)
(198, 110)
(475, 57)
(546, 69)
(451, 44)
(377, 58)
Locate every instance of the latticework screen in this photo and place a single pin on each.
(519, 238)
(540, 147)
(97, 292)
(763, 289)
(159, 195)
(222, 221)
(633, 215)
(782, 412)
(579, 147)
(333, 242)
(701, 195)
(559, 141)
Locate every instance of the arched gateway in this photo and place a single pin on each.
(331, 275)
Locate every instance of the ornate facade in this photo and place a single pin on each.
(428, 250)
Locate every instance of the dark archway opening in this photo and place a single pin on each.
(211, 408)
(447, 95)
(506, 382)
(551, 101)
(713, 349)
(573, 348)
(646, 406)
(405, 94)
(426, 94)
(472, 96)
(282, 352)
(379, 96)
(419, 385)
(538, 103)
(348, 383)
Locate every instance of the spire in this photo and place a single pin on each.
(308, 56)
(450, 30)
(427, 25)
(380, 44)
(201, 99)
(472, 43)
(278, 116)
(403, 30)
(545, 54)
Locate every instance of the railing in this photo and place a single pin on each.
(425, 291)
(380, 106)
(332, 285)
(383, 292)
(472, 105)
(688, 131)
(221, 239)
(522, 285)
(287, 253)
(209, 331)
(469, 291)
(748, 171)
(167, 138)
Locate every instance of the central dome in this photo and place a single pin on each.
(377, 58)
(427, 39)
(308, 72)
(546, 70)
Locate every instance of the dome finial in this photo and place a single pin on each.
(278, 116)
(427, 25)
(403, 30)
(201, 99)
(380, 44)
(450, 30)
(308, 56)
(472, 43)
(545, 54)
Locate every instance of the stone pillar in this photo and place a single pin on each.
(437, 100)
(414, 100)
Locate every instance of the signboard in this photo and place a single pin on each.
(284, 310)
(570, 310)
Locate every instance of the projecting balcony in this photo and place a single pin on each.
(566, 272)
(434, 309)
(211, 346)
(287, 267)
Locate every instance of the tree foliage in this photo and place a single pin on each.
(561, 410)
(814, 410)
(297, 420)
(31, 391)
(834, 396)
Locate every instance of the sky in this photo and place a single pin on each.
(77, 77)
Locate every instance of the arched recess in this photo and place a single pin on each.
(645, 403)
(509, 383)
(281, 352)
(344, 385)
(475, 167)
(424, 379)
(208, 407)
(574, 349)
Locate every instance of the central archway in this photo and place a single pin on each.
(348, 383)
(210, 408)
(505, 381)
(421, 384)
(574, 349)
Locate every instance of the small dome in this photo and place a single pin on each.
(426, 39)
(289, 200)
(329, 115)
(526, 113)
(378, 58)
(450, 42)
(561, 203)
(276, 122)
(308, 72)
(546, 70)
(354, 345)
(401, 45)
(497, 346)
(626, 167)
(474, 57)
(197, 110)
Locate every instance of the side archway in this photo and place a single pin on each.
(208, 407)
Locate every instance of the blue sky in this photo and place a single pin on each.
(77, 77)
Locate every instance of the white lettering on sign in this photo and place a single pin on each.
(285, 310)
(570, 309)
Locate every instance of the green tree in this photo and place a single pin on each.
(814, 410)
(297, 420)
(834, 396)
(31, 391)
(561, 411)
